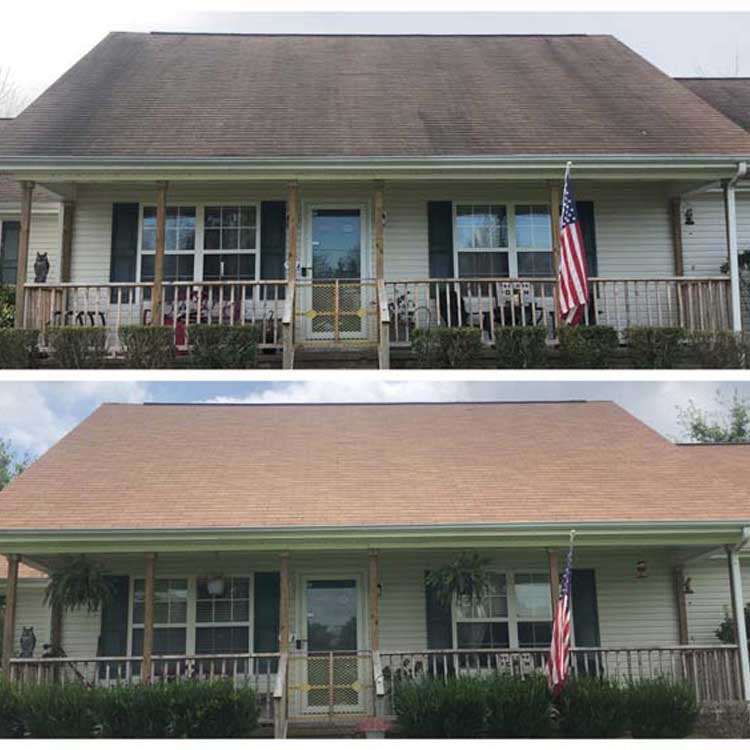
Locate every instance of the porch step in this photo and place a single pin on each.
(348, 356)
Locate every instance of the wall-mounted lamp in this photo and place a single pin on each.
(641, 569)
(689, 220)
(687, 587)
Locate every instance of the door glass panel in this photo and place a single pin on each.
(331, 616)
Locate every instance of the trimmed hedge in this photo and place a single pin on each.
(655, 348)
(18, 348)
(78, 347)
(592, 708)
(447, 348)
(178, 710)
(148, 347)
(659, 709)
(587, 347)
(521, 348)
(224, 347)
(518, 708)
(722, 350)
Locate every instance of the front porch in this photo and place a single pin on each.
(322, 637)
(342, 265)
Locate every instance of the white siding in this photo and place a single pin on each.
(705, 243)
(45, 237)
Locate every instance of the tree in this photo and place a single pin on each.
(12, 97)
(731, 425)
(10, 464)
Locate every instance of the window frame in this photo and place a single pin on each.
(133, 626)
(513, 614)
(519, 617)
(229, 623)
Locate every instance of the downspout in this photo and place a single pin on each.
(730, 208)
(739, 609)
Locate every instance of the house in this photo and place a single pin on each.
(287, 546)
(342, 191)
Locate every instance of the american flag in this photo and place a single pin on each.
(558, 664)
(572, 275)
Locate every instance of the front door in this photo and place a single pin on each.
(9, 251)
(335, 266)
(332, 635)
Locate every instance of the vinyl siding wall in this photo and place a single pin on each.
(633, 612)
(45, 237)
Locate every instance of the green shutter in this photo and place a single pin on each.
(113, 635)
(440, 239)
(585, 211)
(438, 619)
(124, 242)
(11, 231)
(266, 609)
(585, 609)
(272, 239)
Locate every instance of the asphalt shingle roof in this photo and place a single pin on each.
(731, 96)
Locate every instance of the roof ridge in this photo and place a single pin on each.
(373, 403)
(355, 34)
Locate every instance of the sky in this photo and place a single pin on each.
(34, 415)
(684, 44)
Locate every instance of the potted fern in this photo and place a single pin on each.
(465, 579)
(78, 583)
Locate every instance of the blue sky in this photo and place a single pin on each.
(34, 415)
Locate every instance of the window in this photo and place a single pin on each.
(533, 609)
(170, 616)
(179, 243)
(484, 623)
(533, 241)
(482, 240)
(222, 623)
(230, 240)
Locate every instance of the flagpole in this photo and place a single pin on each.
(554, 213)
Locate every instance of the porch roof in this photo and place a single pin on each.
(247, 96)
(307, 467)
(731, 96)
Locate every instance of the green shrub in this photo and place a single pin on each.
(521, 348)
(223, 347)
(447, 348)
(655, 348)
(590, 708)
(431, 708)
(722, 350)
(17, 348)
(588, 347)
(11, 722)
(59, 711)
(660, 709)
(7, 306)
(518, 708)
(148, 347)
(78, 347)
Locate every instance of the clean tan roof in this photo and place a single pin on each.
(731, 96)
(183, 466)
(249, 96)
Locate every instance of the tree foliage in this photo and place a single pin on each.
(10, 464)
(731, 424)
(12, 97)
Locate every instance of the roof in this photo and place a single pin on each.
(24, 571)
(731, 96)
(312, 466)
(250, 96)
(10, 192)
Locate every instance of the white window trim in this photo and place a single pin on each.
(512, 619)
(200, 251)
(229, 623)
(512, 248)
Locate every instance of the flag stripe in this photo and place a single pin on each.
(572, 271)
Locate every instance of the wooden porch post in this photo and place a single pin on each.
(66, 257)
(27, 195)
(730, 215)
(554, 577)
(679, 592)
(9, 627)
(675, 215)
(554, 215)
(148, 617)
(292, 231)
(373, 592)
(161, 224)
(379, 208)
(284, 603)
(738, 613)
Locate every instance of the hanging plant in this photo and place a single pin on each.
(78, 583)
(468, 577)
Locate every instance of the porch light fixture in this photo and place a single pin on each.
(216, 585)
(641, 569)
(689, 220)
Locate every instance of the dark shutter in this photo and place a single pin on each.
(586, 620)
(588, 231)
(113, 636)
(272, 239)
(124, 242)
(440, 239)
(266, 613)
(9, 251)
(438, 618)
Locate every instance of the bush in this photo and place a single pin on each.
(7, 306)
(431, 708)
(722, 350)
(78, 348)
(447, 348)
(17, 348)
(148, 347)
(590, 708)
(521, 348)
(59, 711)
(224, 347)
(655, 348)
(588, 347)
(518, 708)
(660, 709)
(11, 723)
